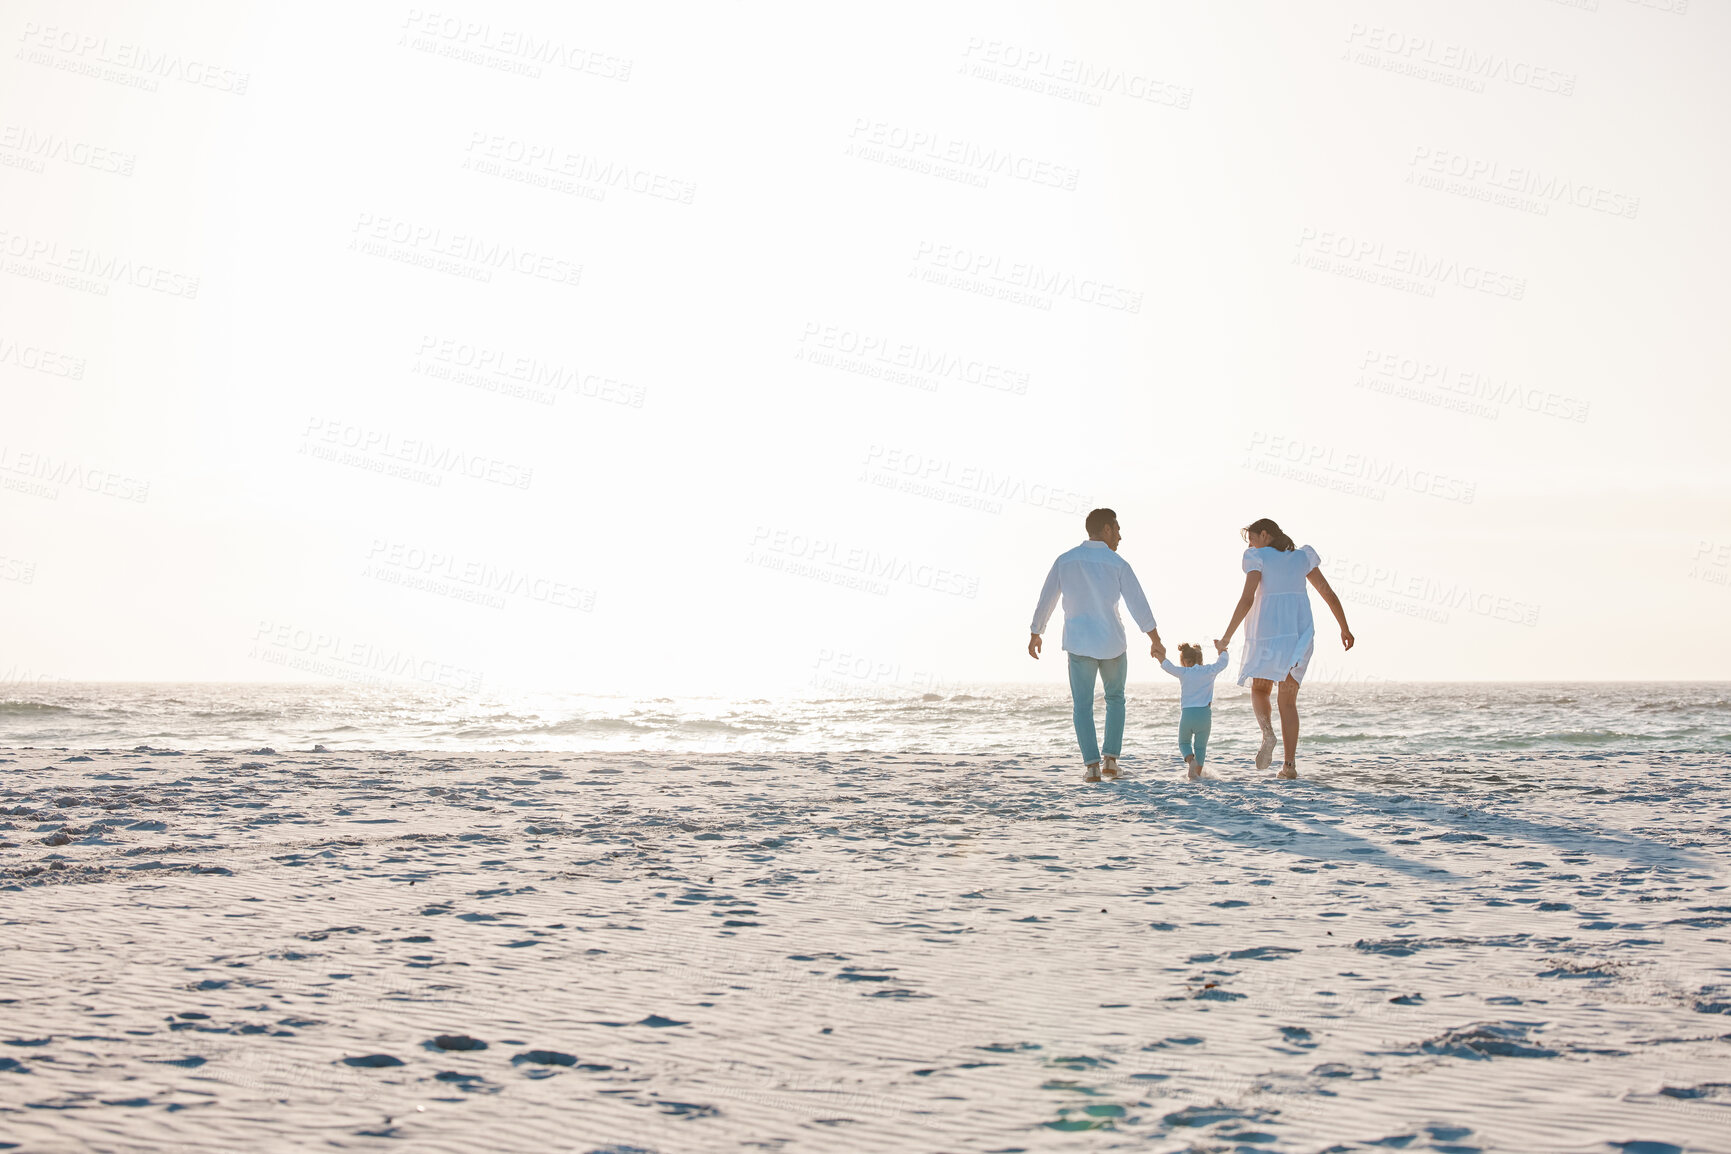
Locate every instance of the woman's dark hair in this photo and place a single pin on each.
(1266, 525)
(1189, 654)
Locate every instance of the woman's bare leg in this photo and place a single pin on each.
(1259, 689)
(1289, 726)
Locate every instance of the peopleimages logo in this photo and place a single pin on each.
(1429, 58)
(1032, 280)
(904, 362)
(956, 483)
(516, 373)
(89, 269)
(345, 443)
(546, 164)
(1355, 473)
(40, 360)
(445, 571)
(1418, 377)
(505, 48)
(1369, 259)
(1516, 185)
(1067, 76)
(44, 473)
(1391, 588)
(922, 149)
(1711, 563)
(141, 66)
(37, 147)
(859, 566)
(331, 654)
(464, 253)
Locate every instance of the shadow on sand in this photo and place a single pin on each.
(1307, 820)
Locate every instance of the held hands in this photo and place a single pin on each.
(1155, 649)
(1034, 646)
(1219, 646)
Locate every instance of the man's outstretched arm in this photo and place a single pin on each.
(1140, 613)
(1049, 595)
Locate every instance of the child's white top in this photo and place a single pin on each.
(1196, 682)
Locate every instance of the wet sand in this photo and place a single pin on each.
(622, 952)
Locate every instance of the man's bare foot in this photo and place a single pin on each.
(1265, 755)
(1288, 771)
(1092, 773)
(1110, 769)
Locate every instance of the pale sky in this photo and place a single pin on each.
(687, 348)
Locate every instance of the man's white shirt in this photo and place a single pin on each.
(1091, 578)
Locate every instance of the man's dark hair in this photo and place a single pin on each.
(1098, 520)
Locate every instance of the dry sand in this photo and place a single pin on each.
(522, 952)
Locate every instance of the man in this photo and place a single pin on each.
(1091, 577)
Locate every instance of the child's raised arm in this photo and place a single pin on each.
(1219, 663)
(1166, 664)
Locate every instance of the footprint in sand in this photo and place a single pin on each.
(455, 1042)
(470, 1083)
(544, 1058)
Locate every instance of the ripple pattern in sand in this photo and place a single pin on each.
(617, 952)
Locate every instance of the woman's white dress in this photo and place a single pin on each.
(1279, 635)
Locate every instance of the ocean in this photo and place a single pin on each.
(1342, 723)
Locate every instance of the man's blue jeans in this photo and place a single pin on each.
(1113, 672)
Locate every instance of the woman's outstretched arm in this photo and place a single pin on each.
(1245, 601)
(1332, 599)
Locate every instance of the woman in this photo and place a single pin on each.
(1280, 636)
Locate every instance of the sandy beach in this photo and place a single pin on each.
(622, 952)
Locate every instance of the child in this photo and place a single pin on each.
(1196, 697)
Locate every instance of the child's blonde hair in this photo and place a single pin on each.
(1189, 654)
